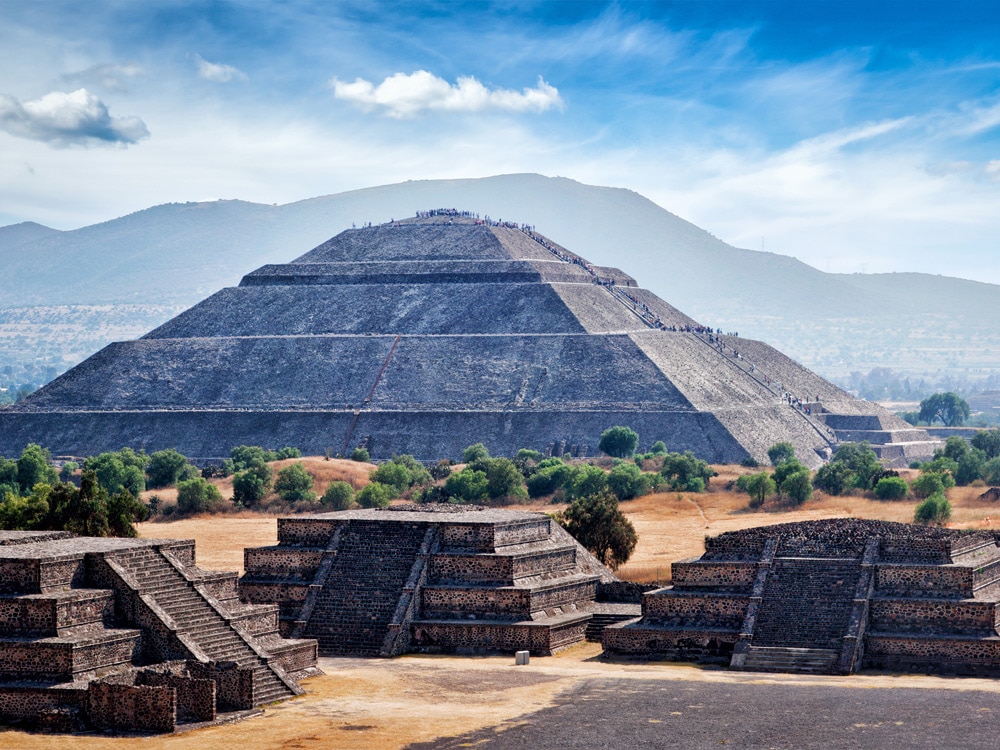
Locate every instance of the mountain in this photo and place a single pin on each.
(173, 255)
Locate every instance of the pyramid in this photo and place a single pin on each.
(426, 335)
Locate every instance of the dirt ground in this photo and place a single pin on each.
(390, 703)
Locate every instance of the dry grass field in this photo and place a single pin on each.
(380, 703)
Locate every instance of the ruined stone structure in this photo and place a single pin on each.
(430, 578)
(430, 334)
(130, 635)
(829, 596)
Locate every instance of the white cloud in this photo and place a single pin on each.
(403, 95)
(218, 72)
(75, 119)
(112, 77)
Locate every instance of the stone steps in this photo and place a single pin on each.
(781, 659)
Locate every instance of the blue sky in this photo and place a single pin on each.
(857, 136)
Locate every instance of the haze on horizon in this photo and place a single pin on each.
(856, 136)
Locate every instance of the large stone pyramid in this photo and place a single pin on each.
(426, 335)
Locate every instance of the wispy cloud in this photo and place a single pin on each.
(75, 119)
(405, 95)
(218, 72)
(111, 77)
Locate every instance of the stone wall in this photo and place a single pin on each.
(121, 706)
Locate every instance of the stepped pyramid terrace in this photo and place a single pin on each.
(434, 578)
(130, 635)
(831, 596)
(426, 335)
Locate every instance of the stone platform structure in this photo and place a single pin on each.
(427, 335)
(429, 578)
(130, 635)
(828, 596)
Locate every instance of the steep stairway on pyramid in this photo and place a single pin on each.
(431, 578)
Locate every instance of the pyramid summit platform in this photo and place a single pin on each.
(425, 335)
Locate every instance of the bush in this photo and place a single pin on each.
(165, 467)
(585, 480)
(780, 452)
(247, 456)
(295, 485)
(935, 510)
(374, 495)
(67, 470)
(250, 486)
(504, 480)
(548, 478)
(467, 486)
(338, 496)
(834, 478)
(659, 448)
(619, 441)
(928, 483)
(684, 472)
(891, 488)
(991, 472)
(400, 473)
(596, 522)
(442, 469)
(198, 496)
(475, 452)
(758, 486)
(797, 486)
(361, 455)
(750, 462)
(288, 452)
(627, 481)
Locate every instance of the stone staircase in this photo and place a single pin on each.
(784, 659)
(807, 603)
(373, 562)
(196, 618)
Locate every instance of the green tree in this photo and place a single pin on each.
(684, 472)
(988, 441)
(288, 452)
(467, 486)
(781, 452)
(927, 484)
(374, 495)
(550, 474)
(338, 496)
(33, 468)
(627, 481)
(955, 448)
(90, 511)
(8, 477)
(935, 510)
(585, 480)
(251, 485)
(294, 484)
(247, 456)
(596, 522)
(785, 469)
(25, 513)
(971, 467)
(948, 408)
(618, 441)
(891, 488)
(758, 486)
(659, 448)
(797, 486)
(165, 468)
(360, 455)
(197, 495)
(475, 452)
(504, 480)
(392, 475)
(66, 471)
(124, 510)
(991, 472)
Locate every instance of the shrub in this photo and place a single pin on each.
(165, 467)
(392, 475)
(374, 495)
(750, 462)
(288, 452)
(834, 478)
(596, 522)
(935, 510)
(991, 472)
(780, 452)
(250, 486)
(360, 455)
(442, 469)
(294, 484)
(467, 486)
(585, 480)
(198, 496)
(684, 472)
(659, 448)
(67, 470)
(547, 478)
(758, 486)
(927, 484)
(618, 441)
(891, 488)
(504, 480)
(797, 486)
(627, 481)
(338, 496)
(475, 452)
(246, 456)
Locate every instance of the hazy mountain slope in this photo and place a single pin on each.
(180, 253)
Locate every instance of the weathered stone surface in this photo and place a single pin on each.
(829, 596)
(427, 335)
